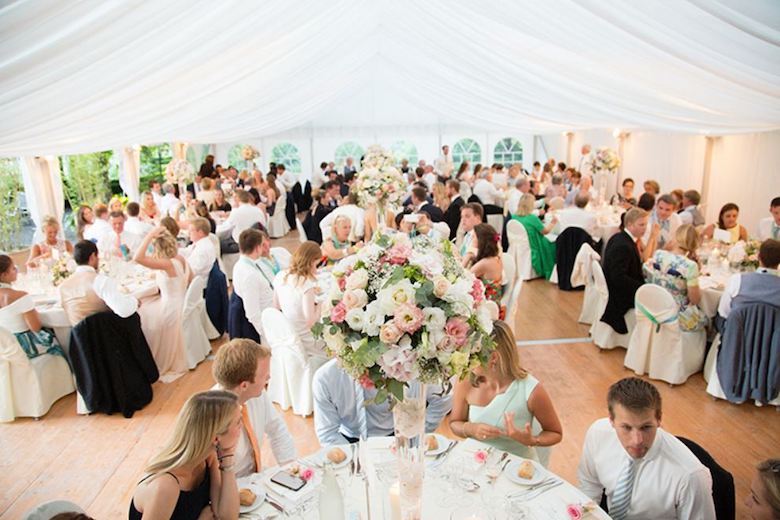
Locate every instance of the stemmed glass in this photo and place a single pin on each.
(457, 479)
(493, 500)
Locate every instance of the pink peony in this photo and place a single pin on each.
(408, 318)
(307, 474)
(477, 291)
(366, 382)
(457, 330)
(574, 511)
(338, 313)
(399, 254)
(480, 456)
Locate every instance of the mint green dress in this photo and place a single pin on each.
(514, 399)
(542, 250)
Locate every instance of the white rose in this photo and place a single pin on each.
(440, 286)
(356, 319)
(358, 279)
(487, 313)
(392, 297)
(459, 295)
(356, 299)
(373, 320)
(434, 319)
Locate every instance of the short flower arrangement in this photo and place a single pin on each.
(249, 153)
(379, 182)
(179, 172)
(62, 269)
(744, 254)
(404, 309)
(605, 160)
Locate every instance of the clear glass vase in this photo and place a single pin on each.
(409, 419)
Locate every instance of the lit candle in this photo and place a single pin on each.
(395, 501)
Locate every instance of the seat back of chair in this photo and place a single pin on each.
(442, 228)
(193, 297)
(517, 237)
(279, 333)
(509, 277)
(556, 203)
(655, 304)
(10, 350)
(215, 242)
(301, 232)
(598, 278)
(722, 482)
(282, 255)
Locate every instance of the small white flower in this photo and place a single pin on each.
(356, 319)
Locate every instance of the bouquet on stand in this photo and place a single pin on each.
(604, 162)
(380, 183)
(249, 154)
(180, 173)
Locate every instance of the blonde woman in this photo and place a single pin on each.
(193, 477)
(161, 316)
(208, 193)
(149, 212)
(764, 499)
(440, 198)
(337, 245)
(115, 204)
(542, 250)
(52, 247)
(295, 294)
(498, 403)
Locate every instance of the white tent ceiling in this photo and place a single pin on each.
(82, 76)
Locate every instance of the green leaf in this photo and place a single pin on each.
(317, 328)
(396, 388)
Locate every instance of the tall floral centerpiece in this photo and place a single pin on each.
(179, 172)
(603, 163)
(379, 183)
(403, 313)
(249, 154)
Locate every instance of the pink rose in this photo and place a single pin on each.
(307, 474)
(338, 313)
(366, 382)
(458, 330)
(389, 333)
(408, 318)
(480, 456)
(342, 283)
(477, 291)
(399, 254)
(574, 511)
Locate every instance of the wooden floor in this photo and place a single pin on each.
(96, 460)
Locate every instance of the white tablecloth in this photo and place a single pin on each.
(712, 287)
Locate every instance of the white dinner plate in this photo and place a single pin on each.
(444, 443)
(511, 473)
(346, 448)
(256, 488)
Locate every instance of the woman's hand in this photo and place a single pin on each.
(482, 431)
(224, 451)
(523, 436)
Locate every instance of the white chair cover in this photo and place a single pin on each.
(277, 224)
(497, 221)
(658, 347)
(196, 342)
(230, 260)
(218, 248)
(301, 232)
(520, 249)
(603, 335)
(710, 374)
(291, 369)
(582, 274)
(282, 255)
(507, 278)
(28, 387)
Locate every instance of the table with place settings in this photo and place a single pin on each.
(456, 485)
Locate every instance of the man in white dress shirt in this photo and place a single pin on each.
(133, 223)
(430, 178)
(761, 286)
(584, 166)
(341, 417)
(243, 367)
(487, 192)
(520, 188)
(242, 217)
(100, 225)
(201, 253)
(645, 471)
(285, 178)
(576, 216)
(156, 189)
(770, 227)
(118, 241)
(663, 223)
(252, 282)
(470, 215)
(168, 201)
(350, 209)
(443, 166)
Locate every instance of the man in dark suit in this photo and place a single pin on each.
(420, 203)
(452, 215)
(623, 269)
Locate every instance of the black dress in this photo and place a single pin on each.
(190, 503)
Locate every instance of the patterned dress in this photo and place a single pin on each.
(675, 273)
(494, 291)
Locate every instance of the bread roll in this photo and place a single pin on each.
(431, 443)
(526, 470)
(337, 455)
(246, 497)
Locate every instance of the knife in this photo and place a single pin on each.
(275, 505)
(541, 490)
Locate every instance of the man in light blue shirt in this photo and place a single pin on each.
(340, 416)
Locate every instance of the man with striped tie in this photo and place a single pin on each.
(645, 471)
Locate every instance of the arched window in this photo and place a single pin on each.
(466, 150)
(508, 151)
(404, 150)
(348, 149)
(235, 158)
(287, 154)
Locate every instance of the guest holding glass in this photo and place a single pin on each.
(542, 250)
(337, 245)
(498, 403)
(19, 317)
(677, 271)
(193, 475)
(727, 220)
(487, 264)
(52, 248)
(118, 242)
(764, 499)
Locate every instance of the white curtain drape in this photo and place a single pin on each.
(43, 189)
(84, 76)
(130, 172)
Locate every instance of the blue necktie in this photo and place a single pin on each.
(360, 398)
(621, 498)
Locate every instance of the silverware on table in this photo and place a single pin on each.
(276, 505)
(535, 493)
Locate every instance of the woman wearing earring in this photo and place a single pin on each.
(193, 477)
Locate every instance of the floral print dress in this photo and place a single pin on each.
(675, 273)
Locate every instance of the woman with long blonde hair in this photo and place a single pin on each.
(149, 212)
(499, 402)
(192, 477)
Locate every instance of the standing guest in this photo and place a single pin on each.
(193, 476)
(444, 165)
(690, 214)
(118, 241)
(542, 250)
(243, 367)
(764, 499)
(201, 253)
(245, 216)
(337, 245)
(86, 292)
(149, 211)
(463, 173)
(133, 224)
(623, 268)
(272, 192)
(575, 178)
(286, 180)
(168, 201)
(625, 197)
(662, 226)
(466, 179)
(207, 168)
(19, 316)
(644, 471)
(251, 283)
(349, 166)
(161, 318)
(584, 165)
(727, 220)
(156, 189)
(52, 248)
(208, 192)
(100, 225)
(84, 220)
(646, 202)
(498, 403)
(769, 227)
(762, 286)
(452, 215)
(487, 264)
(536, 172)
(220, 204)
(295, 294)
(470, 215)
(405, 169)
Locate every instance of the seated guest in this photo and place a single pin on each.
(586, 186)
(623, 268)
(171, 225)
(498, 403)
(676, 271)
(690, 214)
(100, 225)
(319, 210)
(19, 317)
(295, 294)
(337, 245)
(470, 215)
(252, 283)
(452, 215)
(119, 242)
(762, 286)
(115, 204)
(652, 187)
(350, 209)
(203, 212)
(84, 220)
(677, 195)
(201, 253)
(133, 224)
(243, 367)
(245, 216)
(644, 471)
(764, 499)
(168, 201)
(625, 197)
(156, 190)
(576, 216)
(161, 317)
(339, 403)
(86, 292)
(646, 202)
(521, 187)
(486, 191)
(420, 203)
(574, 188)
(193, 476)
(440, 197)
(149, 211)
(556, 189)
(662, 226)
(220, 204)
(727, 220)
(52, 248)
(769, 227)
(268, 260)
(207, 194)
(333, 188)
(487, 264)
(542, 250)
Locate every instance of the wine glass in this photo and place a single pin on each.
(493, 500)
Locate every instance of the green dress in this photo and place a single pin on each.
(542, 250)
(514, 399)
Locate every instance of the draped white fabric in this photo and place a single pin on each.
(43, 189)
(130, 173)
(87, 75)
